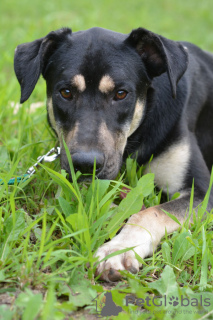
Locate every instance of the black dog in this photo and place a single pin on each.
(110, 95)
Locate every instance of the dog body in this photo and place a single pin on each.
(110, 95)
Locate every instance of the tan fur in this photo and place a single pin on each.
(106, 138)
(139, 108)
(79, 82)
(51, 114)
(121, 140)
(112, 145)
(171, 166)
(116, 143)
(106, 84)
(155, 221)
(129, 128)
(54, 124)
(70, 137)
(143, 231)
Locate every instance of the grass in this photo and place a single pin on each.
(50, 228)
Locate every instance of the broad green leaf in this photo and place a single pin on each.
(166, 252)
(33, 306)
(73, 220)
(6, 313)
(81, 287)
(2, 276)
(130, 205)
(65, 206)
(146, 184)
(103, 186)
(12, 230)
(181, 246)
(190, 251)
(167, 284)
(133, 201)
(175, 196)
(4, 157)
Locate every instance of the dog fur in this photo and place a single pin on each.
(110, 95)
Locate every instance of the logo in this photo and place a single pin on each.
(105, 306)
(110, 308)
(159, 301)
(174, 301)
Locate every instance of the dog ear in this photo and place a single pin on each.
(31, 58)
(160, 55)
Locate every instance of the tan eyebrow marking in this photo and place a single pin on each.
(79, 82)
(106, 84)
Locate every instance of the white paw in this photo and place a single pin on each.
(130, 236)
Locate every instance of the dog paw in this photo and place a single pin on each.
(108, 270)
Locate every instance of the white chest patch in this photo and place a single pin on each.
(171, 166)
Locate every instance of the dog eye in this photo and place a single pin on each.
(120, 95)
(66, 93)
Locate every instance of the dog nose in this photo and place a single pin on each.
(84, 161)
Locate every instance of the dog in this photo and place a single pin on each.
(110, 95)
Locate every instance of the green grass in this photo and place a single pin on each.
(50, 228)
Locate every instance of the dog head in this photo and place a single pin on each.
(97, 81)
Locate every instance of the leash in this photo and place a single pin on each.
(50, 156)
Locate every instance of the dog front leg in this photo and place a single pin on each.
(143, 231)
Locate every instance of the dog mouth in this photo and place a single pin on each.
(87, 177)
(94, 162)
